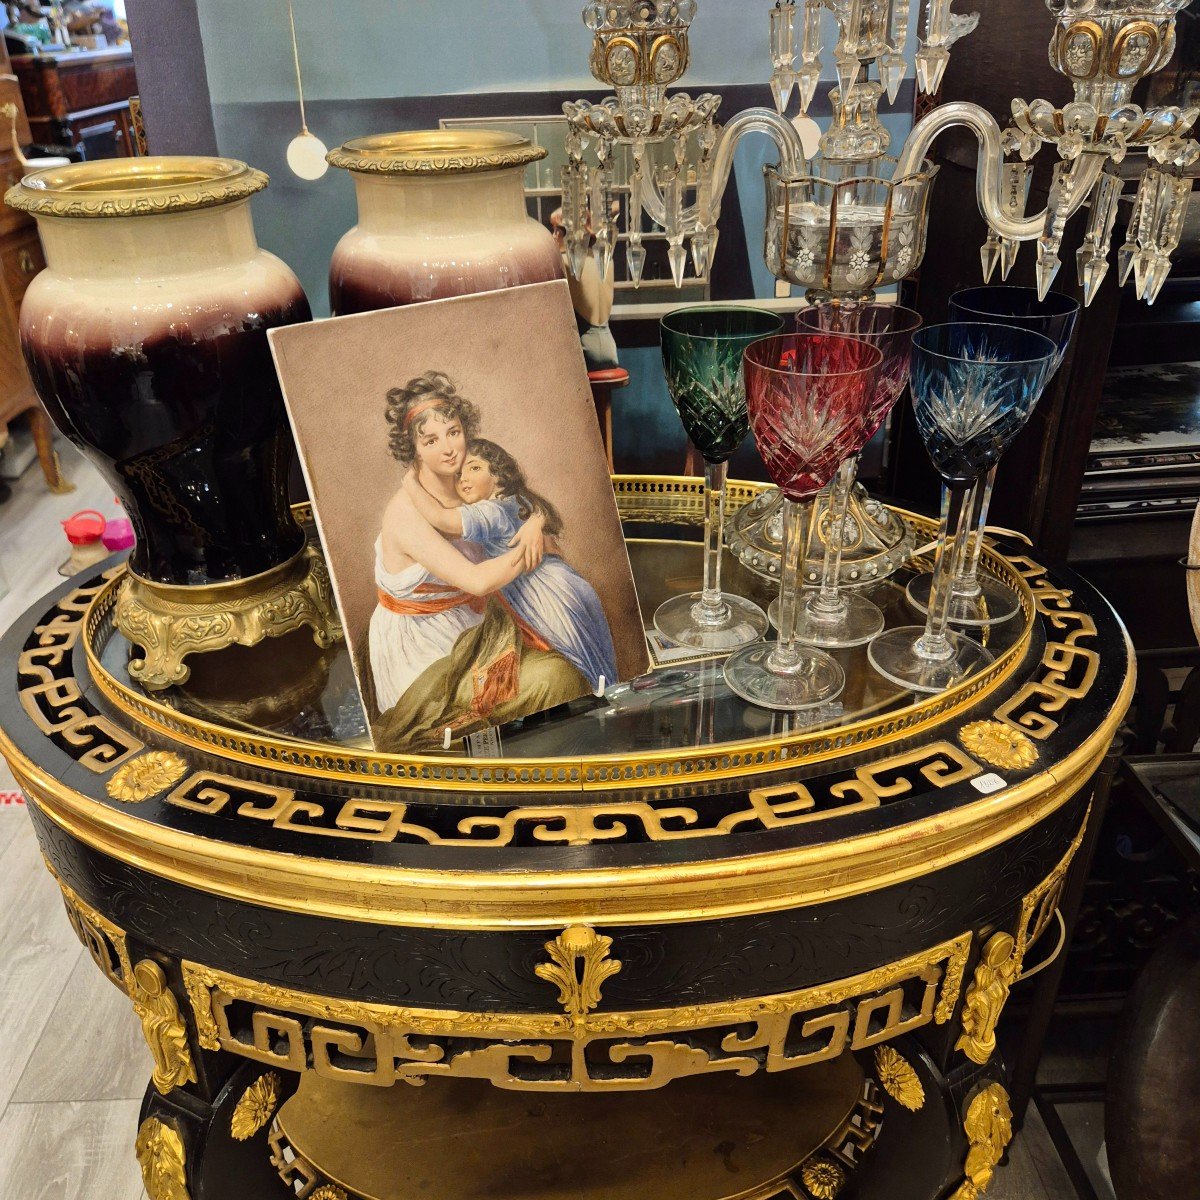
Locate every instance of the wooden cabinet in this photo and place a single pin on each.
(80, 98)
(20, 260)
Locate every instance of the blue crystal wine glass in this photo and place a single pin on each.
(973, 388)
(978, 600)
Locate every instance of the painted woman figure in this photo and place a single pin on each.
(441, 653)
(553, 598)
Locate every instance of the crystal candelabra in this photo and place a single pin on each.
(640, 48)
(852, 219)
(1104, 47)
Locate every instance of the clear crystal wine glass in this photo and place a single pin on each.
(834, 616)
(702, 351)
(978, 600)
(973, 388)
(809, 397)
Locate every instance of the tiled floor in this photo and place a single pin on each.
(73, 1065)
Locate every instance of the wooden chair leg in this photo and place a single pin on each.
(602, 397)
(43, 439)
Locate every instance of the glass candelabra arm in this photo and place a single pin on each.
(1085, 170)
(792, 162)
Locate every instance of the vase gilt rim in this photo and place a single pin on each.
(135, 187)
(436, 152)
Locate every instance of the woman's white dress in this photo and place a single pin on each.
(554, 599)
(403, 646)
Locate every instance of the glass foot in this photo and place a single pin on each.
(814, 679)
(993, 604)
(895, 656)
(856, 624)
(679, 620)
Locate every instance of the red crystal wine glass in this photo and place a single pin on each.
(835, 616)
(809, 396)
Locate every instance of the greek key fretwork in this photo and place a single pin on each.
(57, 709)
(1068, 669)
(588, 1051)
(104, 941)
(939, 765)
(51, 698)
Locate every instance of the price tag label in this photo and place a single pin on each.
(987, 784)
(484, 744)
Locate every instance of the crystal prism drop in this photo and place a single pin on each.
(891, 74)
(781, 89)
(783, 33)
(700, 250)
(1125, 257)
(1091, 268)
(989, 256)
(1091, 258)
(1142, 262)
(807, 79)
(635, 257)
(931, 66)
(1046, 269)
(1008, 255)
(847, 75)
(602, 253)
(677, 256)
(1157, 277)
(577, 252)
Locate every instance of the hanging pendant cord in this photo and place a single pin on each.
(296, 59)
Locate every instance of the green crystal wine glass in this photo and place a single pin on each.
(702, 350)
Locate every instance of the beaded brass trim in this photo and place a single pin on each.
(135, 187)
(580, 1049)
(458, 151)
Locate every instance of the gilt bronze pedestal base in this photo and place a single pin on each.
(170, 623)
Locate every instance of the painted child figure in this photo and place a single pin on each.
(553, 598)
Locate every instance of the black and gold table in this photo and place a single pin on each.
(657, 945)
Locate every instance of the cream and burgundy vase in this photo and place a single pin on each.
(146, 337)
(440, 213)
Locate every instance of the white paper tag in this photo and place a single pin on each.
(484, 744)
(987, 784)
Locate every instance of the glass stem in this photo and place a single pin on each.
(965, 582)
(786, 655)
(933, 644)
(711, 608)
(828, 601)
